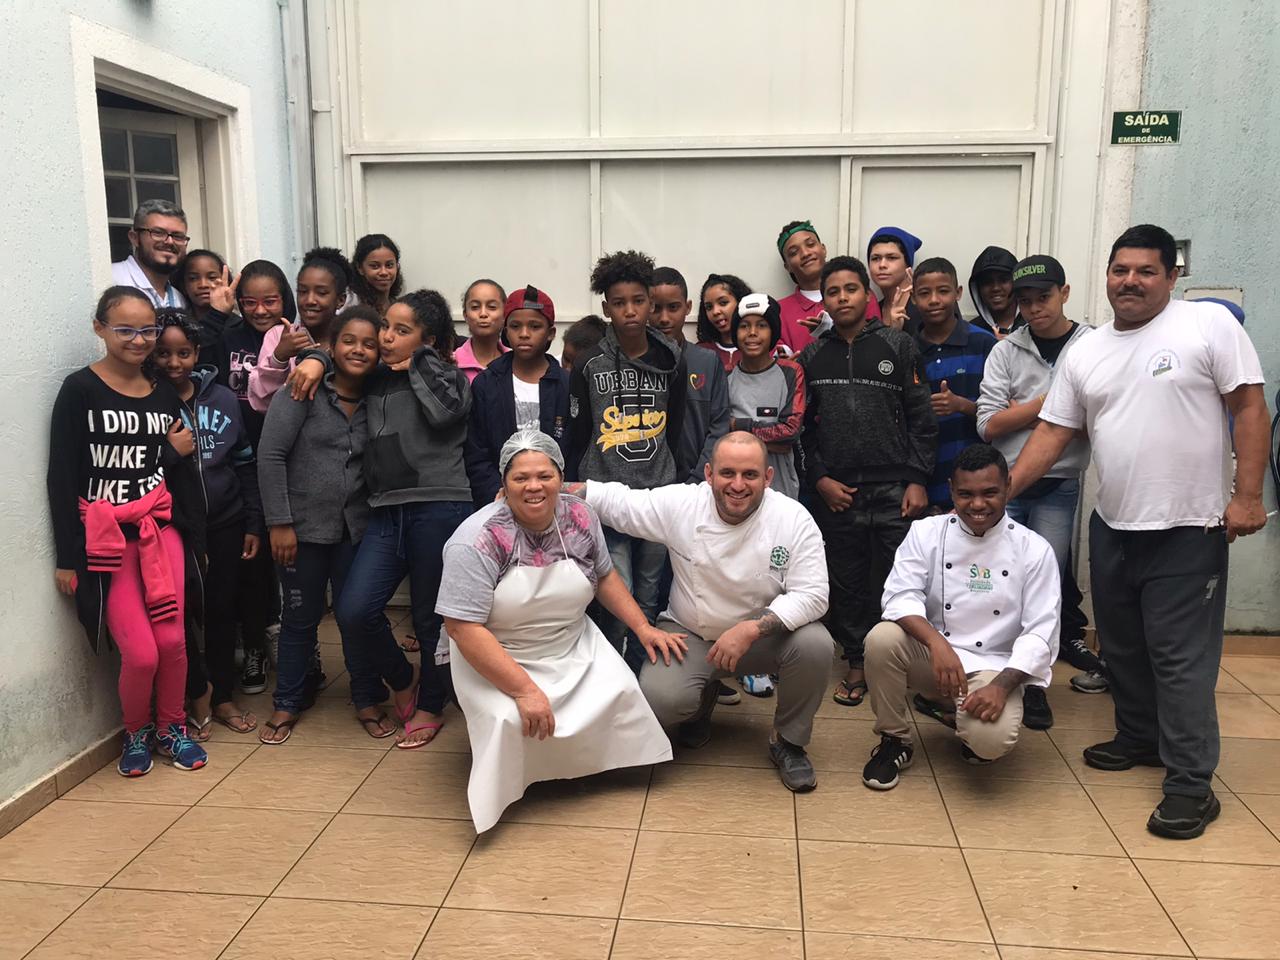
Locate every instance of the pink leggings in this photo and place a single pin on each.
(152, 655)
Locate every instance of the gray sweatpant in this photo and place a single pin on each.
(1159, 599)
(801, 659)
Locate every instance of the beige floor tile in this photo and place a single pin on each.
(1250, 766)
(537, 868)
(478, 935)
(737, 740)
(611, 799)
(1224, 910)
(1041, 953)
(28, 911)
(1247, 715)
(844, 746)
(294, 777)
(124, 925)
(643, 940)
(1236, 836)
(415, 783)
(326, 930)
(1081, 711)
(338, 686)
(903, 878)
(259, 704)
(756, 881)
(332, 723)
(1266, 807)
(1228, 684)
(381, 860)
(165, 783)
(740, 801)
(910, 813)
(219, 833)
(81, 843)
(1027, 815)
(1071, 743)
(1273, 701)
(1039, 900)
(1033, 758)
(1259, 674)
(842, 946)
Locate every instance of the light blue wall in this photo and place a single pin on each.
(1220, 187)
(55, 697)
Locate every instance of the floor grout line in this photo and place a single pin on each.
(617, 922)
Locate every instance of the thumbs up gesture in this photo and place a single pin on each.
(945, 402)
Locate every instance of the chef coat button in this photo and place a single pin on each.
(946, 633)
(948, 566)
(979, 643)
(948, 606)
(1010, 526)
(1004, 573)
(953, 519)
(996, 612)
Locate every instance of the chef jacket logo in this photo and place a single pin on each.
(885, 368)
(1162, 362)
(980, 579)
(779, 557)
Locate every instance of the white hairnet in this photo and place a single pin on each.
(527, 439)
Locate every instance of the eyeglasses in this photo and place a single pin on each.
(160, 235)
(127, 334)
(248, 304)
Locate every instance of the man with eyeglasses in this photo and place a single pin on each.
(159, 238)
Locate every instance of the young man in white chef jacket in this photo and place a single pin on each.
(971, 616)
(750, 582)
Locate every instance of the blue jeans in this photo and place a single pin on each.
(408, 538)
(640, 564)
(316, 566)
(1053, 516)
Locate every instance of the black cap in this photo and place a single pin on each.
(1040, 272)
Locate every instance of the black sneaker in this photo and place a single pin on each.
(1184, 818)
(1036, 712)
(1115, 756)
(794, 766)
(253, 677)
(972, 758)
(1077, 653)
(694, 734)
(727, 694)
(881, 771)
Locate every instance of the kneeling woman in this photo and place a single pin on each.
(545, 695)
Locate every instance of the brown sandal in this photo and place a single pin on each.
(376, 730)
(274, 728)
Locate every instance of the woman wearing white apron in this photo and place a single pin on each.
(545, 695)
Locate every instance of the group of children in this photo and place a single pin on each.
(276, 445)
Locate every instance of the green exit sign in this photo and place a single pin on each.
(1145, 126)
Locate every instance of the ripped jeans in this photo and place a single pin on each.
(302, 585)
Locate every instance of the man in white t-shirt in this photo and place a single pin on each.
(1152, 390)
(159, 238)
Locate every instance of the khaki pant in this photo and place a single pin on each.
(895, 661)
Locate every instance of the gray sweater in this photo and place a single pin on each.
(1016, 372)
(310, 467)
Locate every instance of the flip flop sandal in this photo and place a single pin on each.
(197, 731)
(410, 644)
(242, 717)
(933, 710)
(373, 726)
(406, 714)
(274, 728)
(410, 730)
(849, 698)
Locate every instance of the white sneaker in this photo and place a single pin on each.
(758, 685)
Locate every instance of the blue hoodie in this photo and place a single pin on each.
(228, 470)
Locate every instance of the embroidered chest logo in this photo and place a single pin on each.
(1162, 362)
(779, 557)
(980, 579)
(885, 368)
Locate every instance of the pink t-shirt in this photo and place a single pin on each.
(798, 307)
(467, 361)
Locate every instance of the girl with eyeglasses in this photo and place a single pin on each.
(128, 523)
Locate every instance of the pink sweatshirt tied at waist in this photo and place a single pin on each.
(104, 543)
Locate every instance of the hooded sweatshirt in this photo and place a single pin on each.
(228, 468)
(626, 416)
(1015, 372)
(992, 258)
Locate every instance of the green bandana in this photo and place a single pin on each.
(790, 232)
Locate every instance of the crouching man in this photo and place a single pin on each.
(971, 617)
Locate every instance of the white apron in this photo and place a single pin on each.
(602, 719)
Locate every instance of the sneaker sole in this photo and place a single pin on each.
(802, 788)
(763, 696)
(878, 785)
(729, 700)
(1159, 828)
(130, 775)
(253, 688)
(1038, 724)
(1088, 690)
(1126, 763)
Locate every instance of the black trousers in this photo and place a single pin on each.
(1159, 599)
(860, 542)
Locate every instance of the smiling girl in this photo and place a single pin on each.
(717, 306)
(377, 281)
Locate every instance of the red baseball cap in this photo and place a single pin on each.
(530, 298)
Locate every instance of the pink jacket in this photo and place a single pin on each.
(104, 545)
(268, 374)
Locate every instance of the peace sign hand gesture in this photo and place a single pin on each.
(898, 308)
(223, 295)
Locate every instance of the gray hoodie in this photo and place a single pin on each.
(1016, 372)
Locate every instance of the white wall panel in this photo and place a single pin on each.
(517, 223)
(472, 71)
(947, 66)
(957, 210)
(704, 216)
(680, 68)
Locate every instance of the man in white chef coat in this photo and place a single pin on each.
(971, 617)
(750, 582)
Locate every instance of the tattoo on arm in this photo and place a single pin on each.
(769, 623)
(1008, 679)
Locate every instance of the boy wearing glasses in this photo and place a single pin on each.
(159, 238)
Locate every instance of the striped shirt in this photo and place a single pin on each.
(959, 360)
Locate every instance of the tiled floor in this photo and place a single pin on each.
(339, 846)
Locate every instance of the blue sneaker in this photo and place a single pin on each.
(182, 751)
(136, 759)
